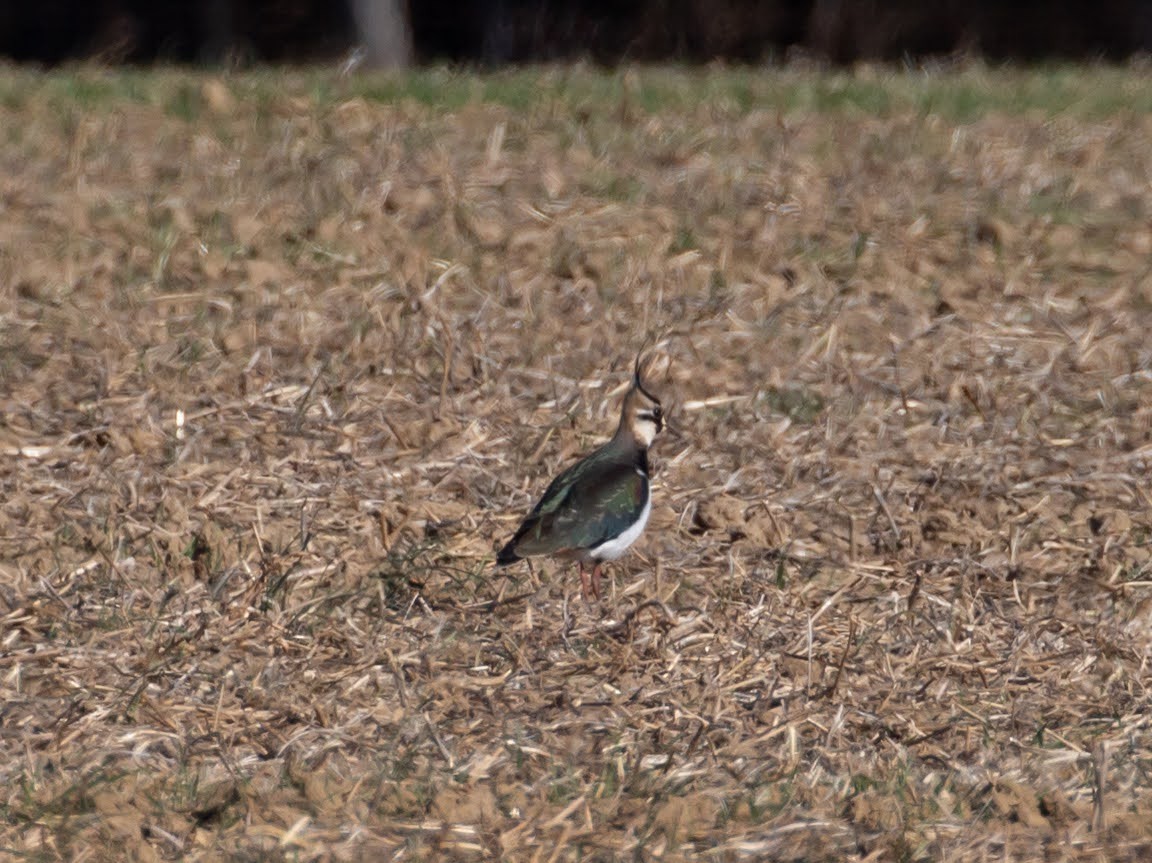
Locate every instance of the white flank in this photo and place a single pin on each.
(613, 548)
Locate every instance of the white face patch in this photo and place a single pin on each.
(645, 430)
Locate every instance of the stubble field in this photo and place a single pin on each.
(285, 356)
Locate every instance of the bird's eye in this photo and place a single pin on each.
(657, 414)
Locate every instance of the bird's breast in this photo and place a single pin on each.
(611, 549)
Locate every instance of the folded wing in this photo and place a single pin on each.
(586, 505)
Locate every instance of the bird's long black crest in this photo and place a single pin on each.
(637, 382)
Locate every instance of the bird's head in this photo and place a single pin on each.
(641, 413)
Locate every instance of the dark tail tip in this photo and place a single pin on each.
(507, 555)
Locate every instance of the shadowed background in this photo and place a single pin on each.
(502, 31)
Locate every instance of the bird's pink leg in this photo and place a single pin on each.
(596, 580)
(585, 585)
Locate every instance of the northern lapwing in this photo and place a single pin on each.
(599, 506)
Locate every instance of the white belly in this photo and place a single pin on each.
(613, 548)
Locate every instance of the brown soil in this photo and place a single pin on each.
(277, 379)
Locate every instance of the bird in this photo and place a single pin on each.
(598, 507)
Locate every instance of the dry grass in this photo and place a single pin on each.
(279, 368)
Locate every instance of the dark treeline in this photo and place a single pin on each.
(607, 31)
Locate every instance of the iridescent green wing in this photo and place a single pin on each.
(593, 501)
